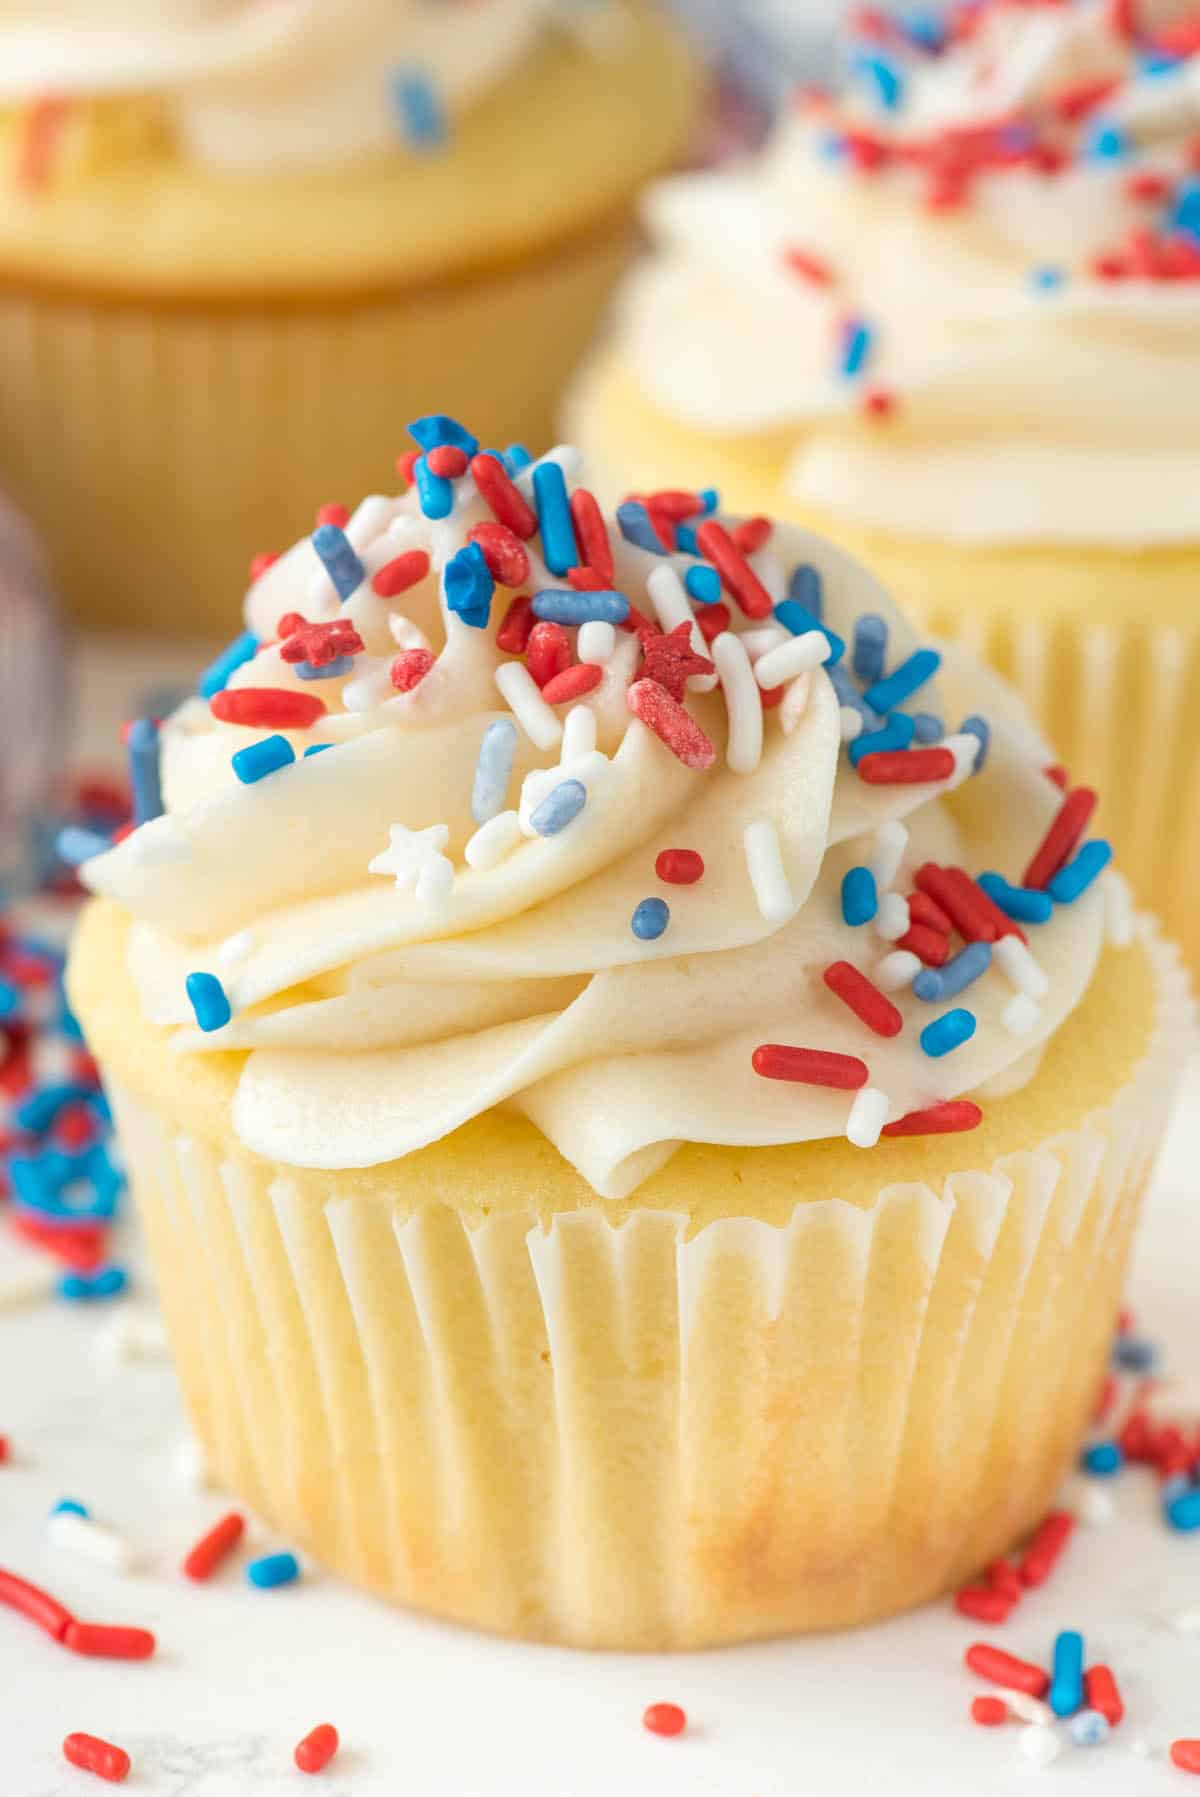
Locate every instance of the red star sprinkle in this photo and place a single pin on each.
(319, 644)
(672, 661)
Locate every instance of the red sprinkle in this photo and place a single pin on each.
(44, 122)
(91, 1754)
(1060, 839)
(506, 556)
(671, 723)
(675, 503)
(671, 660)
(548, 651)
(506, 502)
(879, 402)
(926, 944)
(982, 1605)
(398, 576)
(406, 465)
(318, 644)
(864, 998)
(1006, 1670)
(1106, 1398)
(679, 867)
(715, 543)
(333, 514)
(36, 1604)
(101, 1642)
(408, 670)
(1186, 1755)
(267, 707)
(809, 266)
(3, 1449)
(664, 1719)
(906, 767)
(810, 1067)
(317, 1748)
(1002, 1576)
(973, 913)
(713, 619)
(771, 696)
(1100, 1693)
(923, 910)
(949, 1119)
(989, 1712)
(261, 562)
(1045, 1549)
(586, 580)
(572, 683)
(752, 534)
(513, 634)
(447, 461)
(80, 1246)
(591, 534)
(212, 1548)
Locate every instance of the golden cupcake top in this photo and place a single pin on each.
(658, 827)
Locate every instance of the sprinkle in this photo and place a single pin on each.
(669, 721)
(948, 1119)
(98, 1642)
(80, 1535)
(1045, 1549)
(886, 694)
(768, 876)
(650, 919)
(857, 344)
(419, 110)
(1102, 1460)
(895, 735)
(447, 461)
(144, 772)
(637, 527)
(664, 1719)
(273, 1570)
(436, 495)
(743, 748)
(408, 670)
(1061, 838)
(264, 757)
(712, 621)
(1066, 1689)
(859, 900)
(438, 428)
(1072, 881)
(1021, 1015)
(752, 534)
(890, 842)
(548, 652)
(1041, 1746)
(415, 859)
(504, 553)
(82, 1288)
(1020, 969)
(868, 1114)
(989, 1712)
(897, 970)
(90, 1754)
(927, 728)
(679, 867)
(517, 458)
(572, 609)
(267, 707)
(808, 265)
(560, 807)
(35, 1604)
(505, 501)
(703, 584)
(1005, 1670)
(799, 655)
(493, 842)
(1020, 902)
(929, 945)
(514, 632)
(933, 985)
(493, 771)
(945, 1034)
(209, 1003)
(907, 767)
(320, 645)
(1186, 1755)
(982, 730)
(1105, 142)
(469, 586)
(870, 648)
(1183, 1510)
(339, 559)
(317, 1748)
(810, 1067)
(969, 908)
(591, 533)
(401, 574)
(211, 1549)
(541, 725)
(554, 517)
(596, 643)
(74, 845)
(672, 658)
(739, 578)
(806, 589)
(799, 620)
(866, 1000)
(573, 683)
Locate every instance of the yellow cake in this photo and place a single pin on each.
(945, 334)
(239, 248)
(549, 1237)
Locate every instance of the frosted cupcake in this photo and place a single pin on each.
(954, 320)
(241, 243)
(638, 1085)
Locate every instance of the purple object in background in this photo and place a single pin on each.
(34, 692)
(764, 48)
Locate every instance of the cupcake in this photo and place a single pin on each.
(241, 243)
(638, 1084)
(952, 321)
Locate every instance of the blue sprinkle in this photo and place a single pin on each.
(272, 1570)
(11, 999)
(1185, 214)
(1182, 1510)
(883, 78)
(70, 1507)
(1105, 142)
(857, 343)
(1134, 1354)
(559, 808)
(1157, 62)
(332, 670)
(436, 495)
(74, 845)
(564, 606)
(208, 1001)
(1027, 904)
(439, 431)
(633, 520)
(493, 770)
(710, 499)
(807, 588)
(870, 648)
(925, 30)
(848, 694)
(216, 676)
(897, 733)
(703, 584)
(318, 749)
(650, 919)
(685, 539)
(1066, 1689)
(832, 145)
(798, 619)
(37, 1113)
(860, 900)
(927, 728)
(1102, 1460)
(67, 1188)
(554, 518)
(933, 984)
(468, 586)
(900, 685)
(1089, 1728)
(977, 726)
(80, 1288)
(1047, 280)
(264, 757)
(419, 110)
(144, 775)
(947, 1033)
(341, 563)
(1073, 880)
(515, 458)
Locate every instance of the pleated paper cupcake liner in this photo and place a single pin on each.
(622, 1436)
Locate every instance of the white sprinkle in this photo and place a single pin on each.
(897, 970)
(235, 948)
(1187, 1622)
(494, 841)
(763, 638)
(1027, 1708)
(1019, 967)
(80, 1535)
(1118, 908)
(668, 595)
(743, 751)
(892, 920)
(371, 518)
(851, 723)
(1021, 1015)
(800, 656)
(868, 1114)
(127, 1336)
(887, 852)
(794, 703)
(188, 1465)
(768, 876)
(406, 634)
(965, 750)
(538, 720)
(1040, 1745)
(596, 642)
(1093, 1505)
(579, 733)
(1144, 1749)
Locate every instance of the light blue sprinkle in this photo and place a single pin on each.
(900, 685)
(1102, 1460)
(337, 555)
(1105, 142)
(1185, 215)
(75, 845)
(435, 494)
(870, 648)
(332, 670)
(216, 676)
(38, 1112)
(925, 30)
(1170, 1489)
(144, 776)
(273, 1570)
(1073, 880)
(11, 998)
(933, 984)
(633, 521)
(559, 808)
(515, 458)
(1066, 1688)
(318, 749)
(565, 606)
(554, 518)
(67, 1188)
(807, 588)
(945, 1034)
(860, 900)
(80, 1288)
(1027, 904)
(857, 343)
(1157, 63)
(208, 1001)
(1047, 280)
(832, 145)
(1134, 1354)
(798, 619)
(849, 695)
(493, 770)
(927, 729)
(1182, 1510)
(438, 431)
(420, 112)
(1089, 1728)
(264, 757)
(883, 78)
(897, 733)
(468, 586)
(703, 584)
(70, 1507)
(650, 919)
(977, 726)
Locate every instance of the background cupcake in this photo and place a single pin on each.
(954, 320)
(614, 1175)
(239, 245)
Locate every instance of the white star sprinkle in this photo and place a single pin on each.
(415, 858)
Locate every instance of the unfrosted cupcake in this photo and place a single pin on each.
(241, 243)
(955, 321)
(614, 1173)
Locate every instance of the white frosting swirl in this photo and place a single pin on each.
(1043, 389)
(377, 1020)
